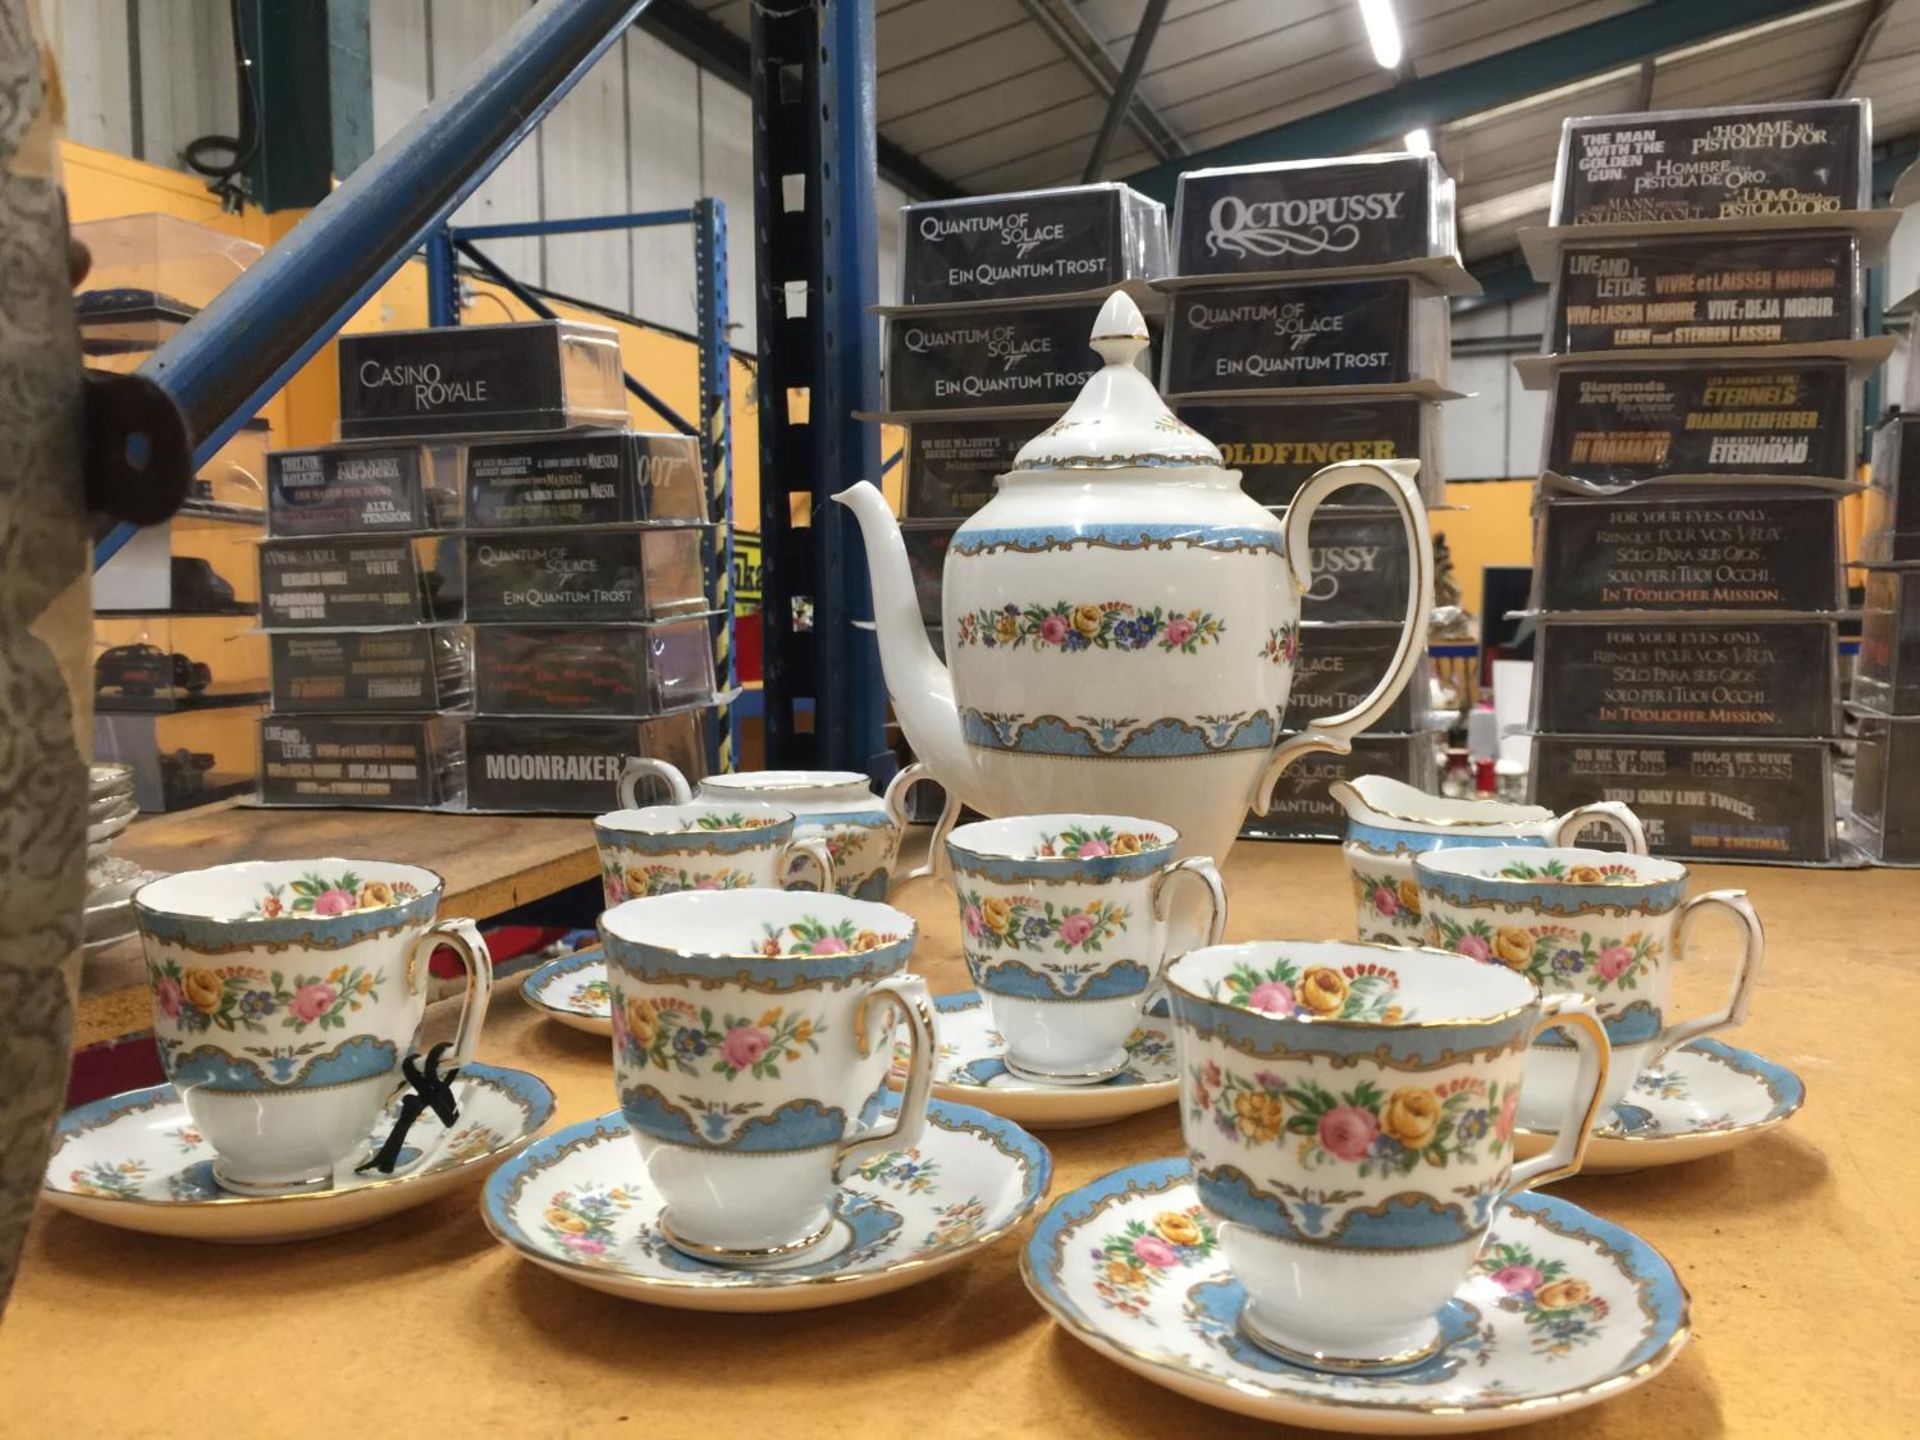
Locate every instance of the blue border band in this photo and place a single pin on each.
(1036, 538)
(1270, 1036)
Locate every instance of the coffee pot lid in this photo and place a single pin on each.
(1119, 420)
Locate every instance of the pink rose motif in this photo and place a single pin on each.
(1347, 1131)
(1053, 629)
(310, 1002)
(1614, 962)
(1075, 929)
(706, 882)
(1179, 630)
(1518, 1279)
(1273, 996)
(1093, 849)
(744, 1045)
(1474, 946)
(170, 997)
(970, 917)
(585, 1244)
(1510, 1107)
(333, 902)
(1386, 902)
(829, 945)
(616, 892)
(1152, 1250)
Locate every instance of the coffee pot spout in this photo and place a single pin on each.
(920, 686)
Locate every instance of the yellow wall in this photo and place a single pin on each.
(1492, 526)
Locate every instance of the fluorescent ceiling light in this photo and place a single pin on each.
(1383, 32)
(1419, 142)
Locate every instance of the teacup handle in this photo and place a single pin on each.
(1201, 866)
(1609, 813)
(640, 767)
(1735, 1010)
(1394, 478)
(463, 937)
(1577, 1016)
(907, 994)
(896, 802)
(808, 847)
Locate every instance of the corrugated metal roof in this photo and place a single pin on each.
(986, 93)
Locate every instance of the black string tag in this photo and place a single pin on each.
(431, 1090)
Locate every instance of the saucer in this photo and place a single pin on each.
(970, 1067)
(573, 990)
(1564, 1309)
(579, 1203)
(136, 1161)
(1703, 1098)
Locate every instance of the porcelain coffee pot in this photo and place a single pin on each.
(1122, 619)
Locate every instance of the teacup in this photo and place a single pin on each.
(285, 994)
(1349, 1110)
(704, 845)
(1064, 922)
(752, 1037)
(1586, 922)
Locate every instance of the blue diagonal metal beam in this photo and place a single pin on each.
(1430, 101)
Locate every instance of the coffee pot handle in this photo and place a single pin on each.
(896, 803)
(464, 939)
(1609, 813)
(641, 767)
(907, 994)
(1577, 1016)
(1735, 1010)
(809, 847)
(1394, 478)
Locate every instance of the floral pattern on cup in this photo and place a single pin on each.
(593, 995)
(1396, 902)
(1101, 625)
(1081, 842)
(340, 894)
(110, 1180)
(1553, 955)
(1561, 1310)
(1282, 645)
(1352, 992)
(239, 997)
(1025, 922)
(583, 1223)
(636, 882)
(733, 820)
(1133, 1260)
(904, 1170)
(672, 1034)
(811, 936)
(1562, 873)
(957, 1223)
(1385, 1133)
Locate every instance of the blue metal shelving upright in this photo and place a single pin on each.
(814, 205)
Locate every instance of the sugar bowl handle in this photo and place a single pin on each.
(810, 847)
(642, 767)
(1394, 479)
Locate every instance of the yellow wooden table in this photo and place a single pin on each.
(1801, 1250)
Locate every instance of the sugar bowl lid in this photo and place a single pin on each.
(1119, 421)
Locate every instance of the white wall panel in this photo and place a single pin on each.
(397, 43)
(583, 171)
(1476, 428)
(462, 30)
(89, 40)
(187, 83)
(726, 149)
(663, 173)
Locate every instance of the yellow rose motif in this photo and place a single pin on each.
(574, 1225)
(1121, 1273)
(636, 879)
(1006, 628)
(1411, 1116)
(1177, 1229)
(1513, 947)
(374, 894)
(643, 1021)
(557, 1217)
(1563, 1295)
(868, 940)
(1257, 1114)
(1585, 875)
(203, 989)
(1126, 844)
(1323, 990)
(996, 913)
(1410, 898)
(1086, 619)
